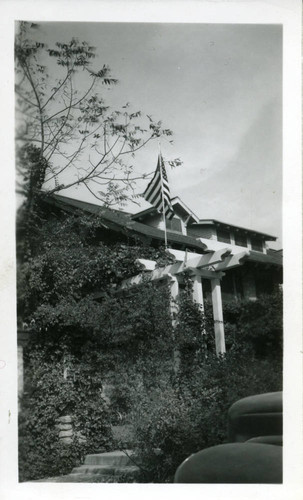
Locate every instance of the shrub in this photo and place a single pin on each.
(255, 326)
(175, 420)
(186, 413)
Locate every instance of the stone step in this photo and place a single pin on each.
(80, 478)
(105, 470)
(112, 458)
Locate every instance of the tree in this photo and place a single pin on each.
(67, 134)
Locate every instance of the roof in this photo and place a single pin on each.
(122, 222)
(214, 222)
(263, 258)
(175, 201)
(194, 220)
(142, 213)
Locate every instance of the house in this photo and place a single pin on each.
(258, 271)
(227, 262)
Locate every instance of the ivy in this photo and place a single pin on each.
(78, 344)
(48, 395)
(112, 359)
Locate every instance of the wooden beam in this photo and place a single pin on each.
(135, 280)
(195, 265)
(232, 261)
(207, 274)
(209, 259)
(148, 265)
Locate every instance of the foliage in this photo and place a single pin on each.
(91, 341)
(63, 117)
(129, 338)
(48, 396)
(186, 413)
(255, 326)
(194, 329)
(124, 346)
(70, 264)
(175, 420)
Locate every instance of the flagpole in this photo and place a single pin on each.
(163, 206)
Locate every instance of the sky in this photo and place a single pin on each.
(218, 87)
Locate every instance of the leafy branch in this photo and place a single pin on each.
(63, 117)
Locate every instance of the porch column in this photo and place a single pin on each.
(218, 315)
(174, 291)
(198, 290)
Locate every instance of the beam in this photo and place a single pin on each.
(232, 261)
(209, 259)
(161, 273)
(196, 263)
(207, 274)
(148, 265)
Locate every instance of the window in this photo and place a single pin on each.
(257, 243)
(223, 235)
(174, 225)
(240, 239)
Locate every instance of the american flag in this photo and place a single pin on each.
(158, 191)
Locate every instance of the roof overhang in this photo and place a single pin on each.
(225, 225)
(122, 222)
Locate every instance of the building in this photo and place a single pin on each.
(226, 262)
(256, 271)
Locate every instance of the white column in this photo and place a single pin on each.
(198, 290)
(218, 315)
(174, 291)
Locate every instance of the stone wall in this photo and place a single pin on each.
(66, 430)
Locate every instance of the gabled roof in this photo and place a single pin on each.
(122, 222)
(176, 202)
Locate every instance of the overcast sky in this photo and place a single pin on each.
(219, 88)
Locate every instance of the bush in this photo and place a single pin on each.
(188, 412)
(176, 420)
(256, 326)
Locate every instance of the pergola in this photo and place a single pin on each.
(209, 266)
